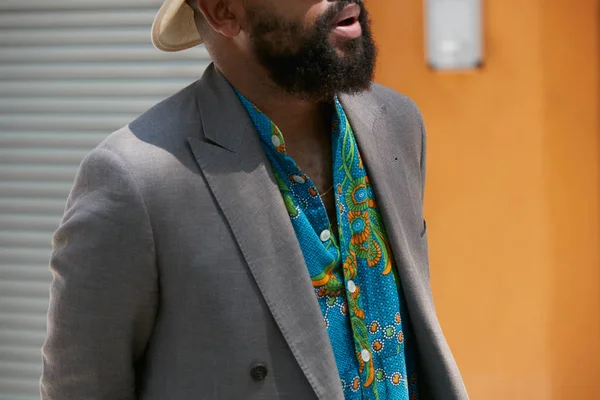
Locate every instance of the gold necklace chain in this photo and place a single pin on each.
(325, 194)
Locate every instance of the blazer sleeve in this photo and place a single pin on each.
(103, 297)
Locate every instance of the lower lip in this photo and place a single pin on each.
(348, 32)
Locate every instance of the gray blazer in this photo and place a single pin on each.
(177, 273)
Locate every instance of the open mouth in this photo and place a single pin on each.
(348, 21)
(348, 16)
(347, 25)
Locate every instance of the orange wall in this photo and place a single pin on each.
(513, 194)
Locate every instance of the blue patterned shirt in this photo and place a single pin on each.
(354, 276)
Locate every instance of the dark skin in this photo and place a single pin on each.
(305, 123)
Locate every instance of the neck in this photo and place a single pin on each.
(293, 115)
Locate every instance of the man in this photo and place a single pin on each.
(258, 235)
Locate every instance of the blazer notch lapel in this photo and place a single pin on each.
(380, 145)
(239, 175)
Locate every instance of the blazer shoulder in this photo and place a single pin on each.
(166, 125)
(403, 114)
(170, 119)
(396, 103)
(157, 140)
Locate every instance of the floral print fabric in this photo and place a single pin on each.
(354, 276)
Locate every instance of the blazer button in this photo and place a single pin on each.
(259, 372)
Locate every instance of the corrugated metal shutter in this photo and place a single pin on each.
(71, 72)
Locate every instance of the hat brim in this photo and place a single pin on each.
(174, 28)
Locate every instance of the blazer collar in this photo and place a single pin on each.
(224, 119)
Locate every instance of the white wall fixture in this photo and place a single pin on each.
(453, 34)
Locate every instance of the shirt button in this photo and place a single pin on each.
(351, 286)
(365, 355)
(325, 235)
(259, 372)
(298, 179)
(275, 140)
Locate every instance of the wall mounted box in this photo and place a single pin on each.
(453, 34)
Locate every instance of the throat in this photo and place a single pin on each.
(302, 129)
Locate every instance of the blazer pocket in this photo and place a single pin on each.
(424, 231)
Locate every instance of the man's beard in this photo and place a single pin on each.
(306, 63)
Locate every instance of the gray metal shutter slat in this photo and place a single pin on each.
(23, 289)
(50, 139)
(97, 71)
(66, 18)
(72, 36)
(37, 155)
(91, 5)
(19, 353)
(69, 87)
(63, 121)
(23, 272)
(83, 53)
(70, 105)
(26, 222)
(71, 72)
(35, 173)
(19, 370)
(21, 306)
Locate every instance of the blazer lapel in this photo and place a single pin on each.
(239, 175)
(382, 152)
(399, 196)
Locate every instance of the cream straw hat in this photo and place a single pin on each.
(174, 28)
